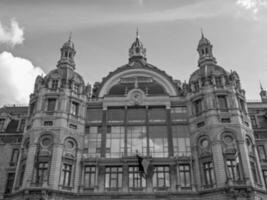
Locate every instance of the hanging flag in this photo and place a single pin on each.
(146, 169)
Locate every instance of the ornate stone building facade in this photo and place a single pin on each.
(201, 137)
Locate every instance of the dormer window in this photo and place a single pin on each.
(54, 84)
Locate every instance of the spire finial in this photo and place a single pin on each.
(261, 86)
(70, 36)
(137, 32)
(202, 34)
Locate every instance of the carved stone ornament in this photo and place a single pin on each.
(136, 97)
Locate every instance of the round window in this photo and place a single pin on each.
(204, 143)
(228, 139)
(46, 141)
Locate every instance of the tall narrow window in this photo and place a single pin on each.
(66, 175)
(22, 125)
(14, 157)
(89, 176)
(262, 153)
(113, 178)
(21, 174)
(136, 181)
(253, 121)
(161, 178)
(51, 104)
(198, 106)
(209, 179)
(222, 100)
(185, 175)
(254, 172)
(42, 172)
(74, 108)
(233, 169)
(32, 107)
(2, 123)
(10, 182)
(264, 173)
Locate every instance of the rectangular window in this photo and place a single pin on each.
(161, 178)
(42, 172)
(136, 115)
(185, 176)
(14, 157)
(262, 153)
(2, 123)
(233, 169)
(198, 106)
(115, 142)
(48, 123)
(116, 115)
(253, 121)
(94, 115)
(254, 172)
(158, 141)
(136, 140)
(157, 114)
(136, 181)
(222, 100)
(54, 84)
(93, 141)
(113, 178)
(181, 140)
(74, 108)
(51, 104)
(209, 178)
(89, 176)
(66, 175)
(9, 183)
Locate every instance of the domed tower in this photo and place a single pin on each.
(221, 133)
(137, 50)
(50, 152)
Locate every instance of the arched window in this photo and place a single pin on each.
(68, 163)
(43, 160)
(206, 162)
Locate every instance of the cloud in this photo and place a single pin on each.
(11, 35)
(252, 5)
(16, 79)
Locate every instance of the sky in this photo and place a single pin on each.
(33, 31)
